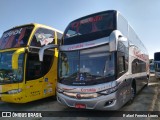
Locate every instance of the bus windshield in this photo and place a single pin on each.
(89, 66)
(7, 74)
(157, 66)
(17, 37)
(90, 24)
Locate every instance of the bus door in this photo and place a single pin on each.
(34, 77)
(49, 71)
(40, 76)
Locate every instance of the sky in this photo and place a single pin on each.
(142, 15)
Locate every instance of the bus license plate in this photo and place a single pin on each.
(80, 105)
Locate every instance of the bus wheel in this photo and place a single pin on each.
(133, 92)
(148, 78)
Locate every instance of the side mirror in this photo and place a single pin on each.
(15, 57)
(41, 51)
(122, 39)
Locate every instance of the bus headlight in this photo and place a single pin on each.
(59, 90)
(108, 91)
(15, 91)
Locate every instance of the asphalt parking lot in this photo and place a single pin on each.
(148, 99)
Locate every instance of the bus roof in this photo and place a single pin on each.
(38, 25)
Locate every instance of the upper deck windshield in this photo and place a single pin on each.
(86, 67)
(7, 74)
(90, 28)
(17, 37)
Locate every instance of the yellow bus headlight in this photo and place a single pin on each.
(15, 91)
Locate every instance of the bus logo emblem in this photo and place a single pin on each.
(81, 77)
(78, 96)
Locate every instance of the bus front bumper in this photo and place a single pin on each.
(104, 102)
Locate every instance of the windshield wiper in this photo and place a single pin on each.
(89, 75)
(72, 35)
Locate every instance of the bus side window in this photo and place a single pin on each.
(138, 66)
(43, 37)
(34, 42)
(121, 64)
(37, 69)
(47, 63)
(34, 67)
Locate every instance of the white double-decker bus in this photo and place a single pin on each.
(102, 62)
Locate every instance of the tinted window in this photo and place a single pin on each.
(121, 64)
(122, 25)
(123, 47)
(138, 66)
(37, 69)
(157, 67)
(7, 74)
(134, 40)
(17, 37)
(89, 28)
(157, 56)
(90, 24)
(87, 67)
(42, 37)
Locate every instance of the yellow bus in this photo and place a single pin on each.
(23, 78)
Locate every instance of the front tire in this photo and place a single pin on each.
(148, 78)
(133, 92)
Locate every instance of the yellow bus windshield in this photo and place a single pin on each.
(7, 74)
(17, 37)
